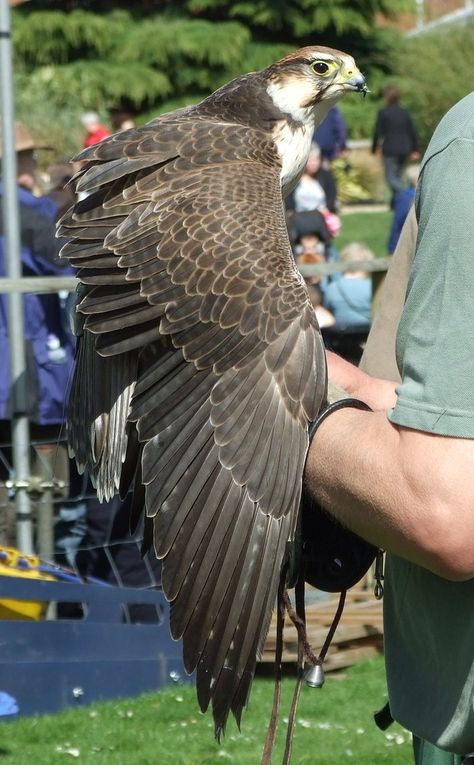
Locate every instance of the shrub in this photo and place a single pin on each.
(360, 179)
(432, 81)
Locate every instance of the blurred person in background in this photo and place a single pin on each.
(395, 131)
(89, 536)
(308, 257)
(311, 244)
(58, 188)
(49, 354)
(331, 137)
(316, 190)
(402, 204)
(349, 295)
(95, 130)
(123, 121)
(310, 223)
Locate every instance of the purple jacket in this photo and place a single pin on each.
(48, 351)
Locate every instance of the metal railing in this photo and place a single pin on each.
(58, 283)
(37, 284)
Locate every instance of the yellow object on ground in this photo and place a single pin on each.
(15, 563)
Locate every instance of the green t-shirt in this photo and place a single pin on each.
(429, 621)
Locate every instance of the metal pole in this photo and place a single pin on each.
(420, 14)
(19, 423)
(45, 515)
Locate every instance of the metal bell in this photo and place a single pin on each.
(314, 676)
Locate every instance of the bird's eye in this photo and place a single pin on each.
(320, 67)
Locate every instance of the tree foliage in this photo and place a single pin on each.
(300, 19)
(152, 55)
(430, 94)
(56, 37)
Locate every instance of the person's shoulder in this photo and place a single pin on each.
(457, 124)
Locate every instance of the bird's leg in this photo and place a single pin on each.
(315, 675)
(298, 618)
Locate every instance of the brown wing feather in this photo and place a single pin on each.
(193, 294)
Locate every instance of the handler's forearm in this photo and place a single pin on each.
(361, 469)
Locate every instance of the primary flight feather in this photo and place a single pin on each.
(200, 362)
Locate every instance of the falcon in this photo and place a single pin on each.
(200, 363)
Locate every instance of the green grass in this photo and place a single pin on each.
(371, 228)
(335, 724)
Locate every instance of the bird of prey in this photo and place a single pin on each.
(200, 362)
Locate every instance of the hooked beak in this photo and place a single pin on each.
(357, 83)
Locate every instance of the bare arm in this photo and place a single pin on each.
(408, 491)
(377, 393)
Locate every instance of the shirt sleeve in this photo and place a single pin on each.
(435, 341)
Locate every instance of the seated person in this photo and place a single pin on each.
(349, 295)
(309, 222)
(310, 248)
(316, 189)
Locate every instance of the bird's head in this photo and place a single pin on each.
(307, 83)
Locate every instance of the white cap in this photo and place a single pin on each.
(89, 118)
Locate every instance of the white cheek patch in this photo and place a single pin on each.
(288, 97)
(293, 148)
